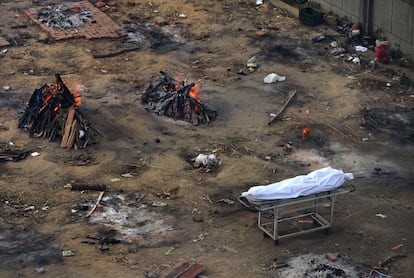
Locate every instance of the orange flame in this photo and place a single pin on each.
(194, 92)
(73, 88)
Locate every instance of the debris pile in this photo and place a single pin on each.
(178, 100)
(64, 17)
(53, 112)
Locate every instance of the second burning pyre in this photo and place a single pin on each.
(178, 100)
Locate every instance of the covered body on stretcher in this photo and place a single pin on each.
(298, 201)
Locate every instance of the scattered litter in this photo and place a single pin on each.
(127, 175)
(115, 179)
(377, 274)
(251, 63)
(232, 250)
(355, 30)
(273, 77)
(361, 48)
(318, 38)
(338, 51)
(68, 253)
(6, 88)
(169, 193)
(4, 51)
(397, 247)
(182, 16)
(29, 208)
(169, 251)
(201, 236)
(356, 60)
(334, 44)
(205, 160)
(365, 139)
(259, 2)
(34, 154)
(45, 208)
(159, 204)
(104, 71)
(381, 51)
(381, 215)
(40, 270)
(81, 133)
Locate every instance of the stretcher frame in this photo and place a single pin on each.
(272, 213)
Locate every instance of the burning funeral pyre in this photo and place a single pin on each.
(178, 100)
(53, 112)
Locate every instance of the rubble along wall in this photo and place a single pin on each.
(390, 19)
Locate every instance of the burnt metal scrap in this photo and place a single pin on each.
(178, 100)
(53, 112)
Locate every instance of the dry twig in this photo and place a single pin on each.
(96, 204)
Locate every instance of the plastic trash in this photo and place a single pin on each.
(68, 253)
(334, 44)
(381, 51)
(206, 160)
(356, 60)
(251, 63)
(318, 38)
(40, 270)
(81, 133)
(361, 48)
(259, 2)
(273, 77)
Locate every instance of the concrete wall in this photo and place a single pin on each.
(391, 19)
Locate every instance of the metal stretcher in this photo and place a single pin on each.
(290, 217)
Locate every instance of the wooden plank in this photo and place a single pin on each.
(68, 127)
(178, 269)
(193, 271)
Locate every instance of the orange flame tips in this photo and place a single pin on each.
(77, 98)
(194, 92)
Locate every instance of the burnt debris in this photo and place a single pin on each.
(178, 100)
(53, 112)
(63, 17)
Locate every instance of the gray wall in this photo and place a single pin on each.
(391, 19)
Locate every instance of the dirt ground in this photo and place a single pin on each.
(360, 117)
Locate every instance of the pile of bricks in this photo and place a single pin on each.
(101, 26)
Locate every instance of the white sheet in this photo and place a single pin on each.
(321, 180)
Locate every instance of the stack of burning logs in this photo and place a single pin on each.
(178, 100)
(53, 112)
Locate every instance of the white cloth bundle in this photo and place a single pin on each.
(321, 180)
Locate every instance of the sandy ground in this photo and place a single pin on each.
(212, 43)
